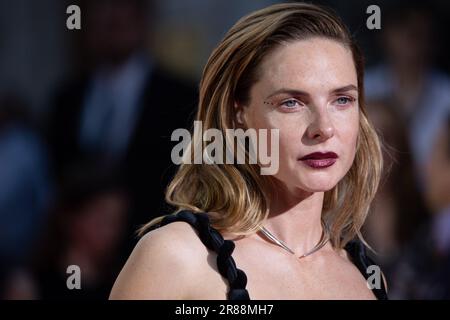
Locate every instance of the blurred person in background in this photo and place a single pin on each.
(438, 191)
(123, 107)
(399, 209)
(25, 185)
(420, 96)
(86, 228)
(419, 91)
(422, 271)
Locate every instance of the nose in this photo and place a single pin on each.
(321, 128)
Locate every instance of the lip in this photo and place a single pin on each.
(318, 160)
(320, 155)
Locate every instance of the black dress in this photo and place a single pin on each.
(237, 279)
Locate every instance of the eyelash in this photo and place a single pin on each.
(348, 100)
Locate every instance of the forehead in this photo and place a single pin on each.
(310, 64)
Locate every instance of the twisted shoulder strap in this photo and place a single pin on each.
(358, 253)
(213, 240)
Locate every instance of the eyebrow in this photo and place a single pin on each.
(296, 92)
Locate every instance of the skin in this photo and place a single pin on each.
(321, 119)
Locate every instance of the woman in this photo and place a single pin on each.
(291, 67)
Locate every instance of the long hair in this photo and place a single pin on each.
(235, 195)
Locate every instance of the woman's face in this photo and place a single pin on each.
(308, 90)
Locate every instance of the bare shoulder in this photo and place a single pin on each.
(176, 236)
(369, 271)
(163, 265)
(355, 276)
(348, 262)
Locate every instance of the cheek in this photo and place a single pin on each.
(291, 139)
(348, 131)
(291, 129)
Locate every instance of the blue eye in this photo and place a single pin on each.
(344, 100)
(290, 104)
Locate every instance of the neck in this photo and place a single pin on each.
(295, 218)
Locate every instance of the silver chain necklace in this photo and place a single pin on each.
(325, 237)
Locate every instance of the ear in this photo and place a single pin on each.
(239, 120)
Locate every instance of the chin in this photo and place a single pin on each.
(310, 185)
(310, 180)
(317, 183)
(317, 188)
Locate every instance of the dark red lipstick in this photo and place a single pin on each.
(319, 160)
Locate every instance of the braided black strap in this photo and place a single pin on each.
(213, 240)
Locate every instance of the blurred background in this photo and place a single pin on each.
(86, 117)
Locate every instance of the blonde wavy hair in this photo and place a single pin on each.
(235, 196)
